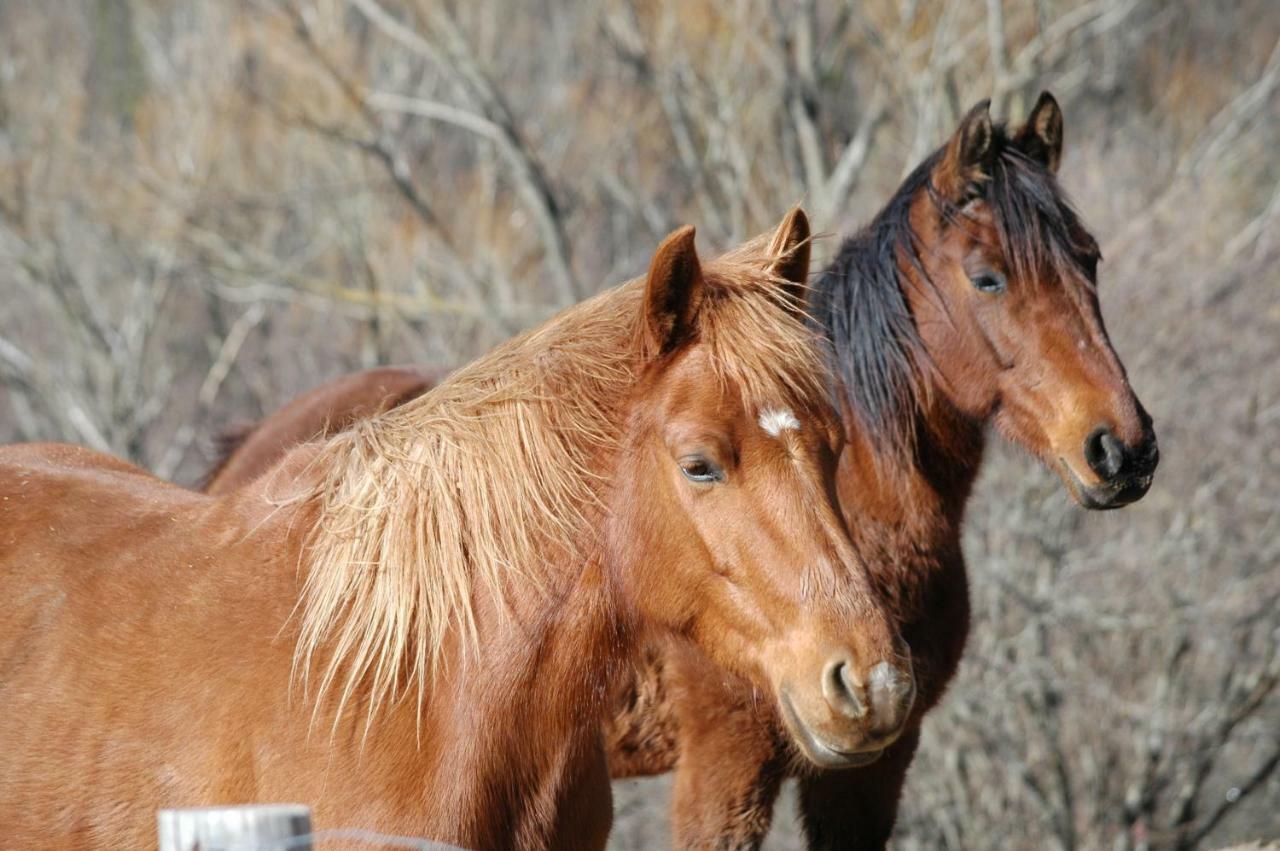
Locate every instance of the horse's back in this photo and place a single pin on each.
(51, 462)
(322, 411)
(118, 588)
(62, 505)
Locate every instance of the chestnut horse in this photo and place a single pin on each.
(416, 625)
(970, 299)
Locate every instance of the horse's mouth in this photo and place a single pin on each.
(1106, 496)
(818, 752)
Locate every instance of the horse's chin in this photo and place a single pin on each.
(819, 752)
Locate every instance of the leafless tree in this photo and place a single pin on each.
(207, 208)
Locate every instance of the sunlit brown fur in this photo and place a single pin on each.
(416, 625)
(1034, 359)
(1015, 359)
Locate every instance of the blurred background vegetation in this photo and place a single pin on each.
(206, 208)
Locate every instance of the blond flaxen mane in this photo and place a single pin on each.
(488, 478)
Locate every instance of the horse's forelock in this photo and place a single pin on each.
(1040, 231)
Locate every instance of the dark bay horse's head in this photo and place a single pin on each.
(728, 526)
(1012, 322)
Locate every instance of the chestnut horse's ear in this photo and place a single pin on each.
(790, 246)
(1041, 137)
(964, 164)
(672, 293)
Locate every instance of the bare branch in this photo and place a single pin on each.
(208, 394)
(530, 178)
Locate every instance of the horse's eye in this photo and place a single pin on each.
(988, 282)
(702, 470)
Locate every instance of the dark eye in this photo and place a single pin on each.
(988, 282)
(702, 470)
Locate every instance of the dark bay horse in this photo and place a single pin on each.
(969, 300)
(416, 625)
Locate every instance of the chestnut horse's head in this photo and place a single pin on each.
(729, 520)
(1011, 321)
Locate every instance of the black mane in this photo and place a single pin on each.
(859, 301)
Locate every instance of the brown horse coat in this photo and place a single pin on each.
(917, 404)
(416, 625)
(970, 300)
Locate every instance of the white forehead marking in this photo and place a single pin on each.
(777, 421)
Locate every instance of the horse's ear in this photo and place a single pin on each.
(672, 293)
(1041, 137)
(790, 249)
(966, 160)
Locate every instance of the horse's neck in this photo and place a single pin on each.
(522, 718)
(948, 456)
(907, 510)
(906, 500)
(505, 747)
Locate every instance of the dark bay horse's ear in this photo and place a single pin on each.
(1041, 137)
(790, 245)
(672, 293)
(964, 164)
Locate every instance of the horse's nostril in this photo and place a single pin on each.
(1104, 453)
(840, 689)
(891, 691)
